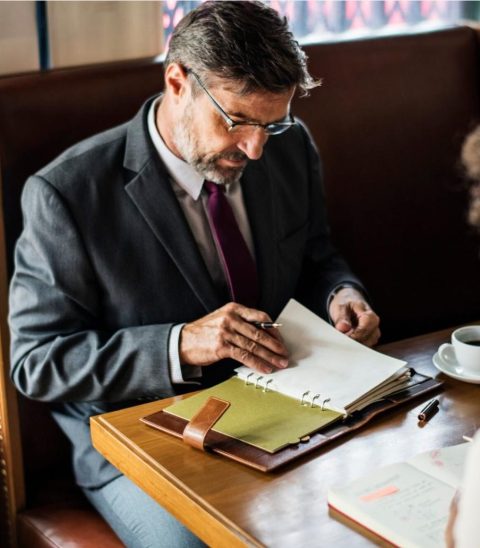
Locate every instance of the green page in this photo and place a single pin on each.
(267, 420)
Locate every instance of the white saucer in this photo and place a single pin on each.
(454, 371)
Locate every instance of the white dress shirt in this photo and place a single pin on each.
(187, 185)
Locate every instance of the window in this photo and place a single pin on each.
(44, 34)
(316, 20)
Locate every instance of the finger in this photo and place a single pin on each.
(373, 339)
(271, 332)
(258, 350)
(449, 536)
(274, 332)
(263, 337)
(341, 317)
(361, 334)
(360, 307)
(367, 338)
(246, 358)
(343, 326)
(251, 315)
(366, 321)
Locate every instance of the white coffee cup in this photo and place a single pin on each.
(464, 350)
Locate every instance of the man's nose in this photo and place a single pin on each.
(252, 143)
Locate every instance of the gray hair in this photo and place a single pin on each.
(247, 42)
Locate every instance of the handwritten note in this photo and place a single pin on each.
(380, 493)
(418, 504)
(406, 503)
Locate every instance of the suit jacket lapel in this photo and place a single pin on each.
(152, 194)
(259, 202)
(151, 191)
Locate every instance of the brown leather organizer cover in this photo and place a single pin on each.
(266, 462)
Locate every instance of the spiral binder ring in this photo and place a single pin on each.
(257, 380)
(304, 395)
(304, 401)
(324, 402)
(265, 388)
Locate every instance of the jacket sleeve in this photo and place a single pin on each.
(59, 350)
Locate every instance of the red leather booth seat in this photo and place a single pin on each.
(75, 526)
(389, 120)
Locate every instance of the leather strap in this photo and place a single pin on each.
(203, 421)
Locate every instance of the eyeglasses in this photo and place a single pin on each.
(275, 128)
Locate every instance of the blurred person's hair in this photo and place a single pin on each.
(471, 163)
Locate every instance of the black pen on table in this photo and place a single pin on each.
(428, 411)
(266, 325)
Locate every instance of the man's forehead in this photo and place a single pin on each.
(233, 94)
(237, 87)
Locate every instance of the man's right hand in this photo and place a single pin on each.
(229, 333)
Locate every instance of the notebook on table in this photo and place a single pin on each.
(406, 503)
(332, 386)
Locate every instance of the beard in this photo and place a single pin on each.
(203, 162)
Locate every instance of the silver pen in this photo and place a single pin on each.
(266, 325)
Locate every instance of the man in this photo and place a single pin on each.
(148, 251)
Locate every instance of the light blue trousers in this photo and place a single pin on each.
(137, 519)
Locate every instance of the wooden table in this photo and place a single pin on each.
(228, 504)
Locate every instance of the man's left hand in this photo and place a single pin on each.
(452, 517)
(352, 315)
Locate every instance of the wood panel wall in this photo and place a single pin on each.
(18, 37)
(91, 32)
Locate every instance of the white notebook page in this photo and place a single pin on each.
(323, 362)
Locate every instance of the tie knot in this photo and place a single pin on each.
(213, 188)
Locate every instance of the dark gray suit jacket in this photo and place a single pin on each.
(106, 265)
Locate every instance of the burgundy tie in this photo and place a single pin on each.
(238, 264)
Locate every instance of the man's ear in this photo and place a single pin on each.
(176, 81)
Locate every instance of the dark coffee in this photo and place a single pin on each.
(473, 343)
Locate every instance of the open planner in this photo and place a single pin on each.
(332, 385)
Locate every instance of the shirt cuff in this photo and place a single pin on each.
(180, 374)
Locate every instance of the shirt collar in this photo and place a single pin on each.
(182, 173)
